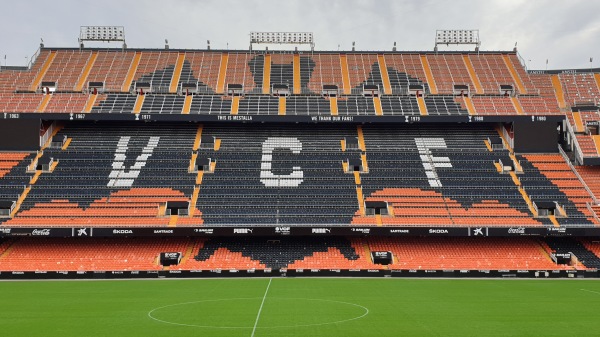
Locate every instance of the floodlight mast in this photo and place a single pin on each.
(297, 38)
(457, 36)
(102, 33)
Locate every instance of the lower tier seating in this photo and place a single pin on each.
(427, 253)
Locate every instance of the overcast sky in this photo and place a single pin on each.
(567, 33)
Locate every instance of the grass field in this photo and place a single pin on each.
(301, 307)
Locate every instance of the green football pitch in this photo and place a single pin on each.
(301, 307)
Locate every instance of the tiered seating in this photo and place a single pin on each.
(587, 145)
(591, 177)
(462, 189)
(88, 254)
(307, 105)
(399, 105)
(67, 103)
(594, 247)
(157, 68)
(22, 80)
(111, 67)
(238, 71)
(405, 70)
(264, 105)
(556, 183)
(9, 160)
(364, 69)
(494, 105)
(431, 253)
(13, 177)
(547, 102)
(114, 103)
(66, 68)
(211, 104)
(318, 191)
(280, 252)
(586, 251)
(20, 102)
(327, 70)
(539, 105)
(443, 105)
(417, 253)
(282, 70)
(448, 70)
(316, 70)
(205, 67)
(580, 88)
(169, 104)
(492, 72)
(87, 187)
(528, 84)
(356, 105)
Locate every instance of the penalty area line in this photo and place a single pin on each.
(261, 306)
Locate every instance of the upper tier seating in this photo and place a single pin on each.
(213, 70)
(66, 69)
(580, 88)
(449, 70)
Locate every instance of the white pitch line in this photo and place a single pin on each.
(590, 291)
(261, 306)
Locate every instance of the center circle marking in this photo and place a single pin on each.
(152, 313)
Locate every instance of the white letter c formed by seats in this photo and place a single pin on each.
(267, 177)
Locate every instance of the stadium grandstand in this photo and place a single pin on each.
(119, 162)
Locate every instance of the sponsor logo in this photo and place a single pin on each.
(172, 255)
(283, 230)
(557, 229)
(82, 232)
(242, 231)
(42, 232)
(438, 231)
(382, 254)
(563, 255)
(163, 231)
(517, 230)
(477, 231)
(400, 231)
(321, 230)
(4, 230)
(362, 230)
(204, 230)
(122, 231)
